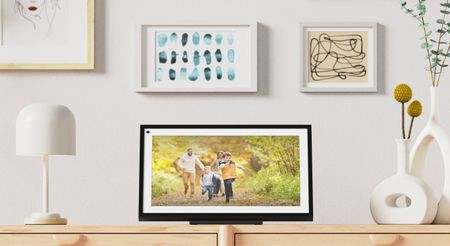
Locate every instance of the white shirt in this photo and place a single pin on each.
(187, 163)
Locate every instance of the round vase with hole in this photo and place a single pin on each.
(434, 130)
(419, 204)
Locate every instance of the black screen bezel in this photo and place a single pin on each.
(224, 217)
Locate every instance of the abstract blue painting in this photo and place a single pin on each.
(201, 57)
(196, 56)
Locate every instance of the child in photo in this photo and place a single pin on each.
(229, 175)
(208, 180)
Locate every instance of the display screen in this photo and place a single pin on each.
(221, 170)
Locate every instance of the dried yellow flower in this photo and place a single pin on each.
(402, 93)
(415, 109)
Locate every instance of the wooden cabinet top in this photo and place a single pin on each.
(184, 228)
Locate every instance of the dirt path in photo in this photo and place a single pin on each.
(241, 198)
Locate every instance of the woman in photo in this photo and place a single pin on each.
(215, 165)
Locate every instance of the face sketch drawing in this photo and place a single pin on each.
(38, 12)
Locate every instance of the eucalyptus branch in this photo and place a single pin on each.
(422, 21)
(436, 57)
(443, 65)
(441, 32)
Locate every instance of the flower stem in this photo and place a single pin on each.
(403, 121)
(410, 127)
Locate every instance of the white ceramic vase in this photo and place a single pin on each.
(434, 130)
(421, 205)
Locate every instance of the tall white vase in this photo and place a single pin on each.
(421, 205)
(434, 130)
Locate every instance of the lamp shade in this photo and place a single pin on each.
(45, 129)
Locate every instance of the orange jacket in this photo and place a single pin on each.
(229, 172)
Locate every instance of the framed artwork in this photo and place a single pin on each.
(196, 58)
(338, 57)
(47, 34)
(227, 173)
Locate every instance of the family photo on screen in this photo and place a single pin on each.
(225, 170)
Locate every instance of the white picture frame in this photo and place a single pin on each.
(149, 78)
(42, 35)
(320, 75)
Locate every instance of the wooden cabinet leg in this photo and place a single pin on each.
(226, 235)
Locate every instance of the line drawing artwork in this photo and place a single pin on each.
(38, 12)
(337, 57)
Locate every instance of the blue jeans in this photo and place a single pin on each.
(209, 189)
(228, 188)
(217, 183)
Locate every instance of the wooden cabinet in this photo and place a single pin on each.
(108, 235)
(342, 239)
(107, 239)
(344, 235)
(239, 235)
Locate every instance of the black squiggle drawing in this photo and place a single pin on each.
(345, 53)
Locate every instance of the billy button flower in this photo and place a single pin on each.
(414, 110)
(403, 94)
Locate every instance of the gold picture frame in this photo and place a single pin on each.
(90, 49)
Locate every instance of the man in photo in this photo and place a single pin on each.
(187, 164)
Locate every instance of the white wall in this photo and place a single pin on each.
(353, 134)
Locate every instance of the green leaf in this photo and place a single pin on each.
(425, 25)
(437, 42)
(440, 21)
(447, 5)
(426, 46)
(443, 65)
(438, 53)
(434, 64)
(441, 31)
(436, 60)
(428, 33)
(445, 12)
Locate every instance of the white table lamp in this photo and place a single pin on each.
(44, 130)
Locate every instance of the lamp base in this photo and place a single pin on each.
(45, 219)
